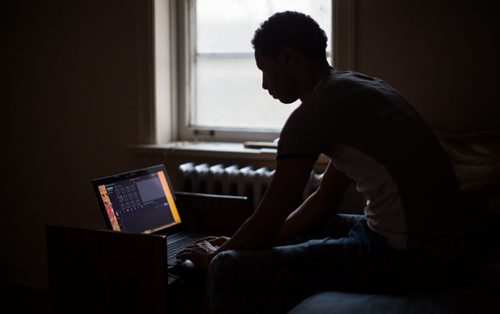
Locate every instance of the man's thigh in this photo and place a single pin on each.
(336, 227)
(278, 278)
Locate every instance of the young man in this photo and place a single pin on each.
(375, 140)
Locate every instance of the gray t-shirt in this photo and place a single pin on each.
(373, 136)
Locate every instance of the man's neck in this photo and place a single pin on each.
(311, 74)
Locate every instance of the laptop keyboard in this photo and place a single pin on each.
(178, 245)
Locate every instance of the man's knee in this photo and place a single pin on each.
(241, 267)
(223, 265)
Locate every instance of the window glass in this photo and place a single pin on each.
(227, 84)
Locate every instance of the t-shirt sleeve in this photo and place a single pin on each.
(303, 135)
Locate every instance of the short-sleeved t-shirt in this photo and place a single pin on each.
(373, 136)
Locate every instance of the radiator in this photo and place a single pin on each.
(233, 180)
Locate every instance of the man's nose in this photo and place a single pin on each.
(264, 83)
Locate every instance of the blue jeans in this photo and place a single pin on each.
(344, 255)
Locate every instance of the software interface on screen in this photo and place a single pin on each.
(141, 204)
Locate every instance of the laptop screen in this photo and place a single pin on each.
(137, 201)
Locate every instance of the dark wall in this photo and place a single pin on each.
(440, 54)
(74, 72)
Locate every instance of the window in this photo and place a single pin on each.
(215, 87)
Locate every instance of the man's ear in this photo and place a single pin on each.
(290, 56)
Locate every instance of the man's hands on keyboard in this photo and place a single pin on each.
(202, 251)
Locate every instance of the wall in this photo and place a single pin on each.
(79, 72)
(440, 54)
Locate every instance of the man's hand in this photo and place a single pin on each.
(202, 252)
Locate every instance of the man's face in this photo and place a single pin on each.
(277, 77)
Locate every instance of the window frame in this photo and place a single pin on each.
(174, 90)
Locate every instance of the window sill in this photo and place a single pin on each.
(174, 153)
(208, 150)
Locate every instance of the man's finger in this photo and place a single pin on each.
(209, 238)
(184, 255)
(218, 240)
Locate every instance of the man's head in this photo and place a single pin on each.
(290, 29)
(283, 45)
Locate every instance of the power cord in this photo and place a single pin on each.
(176, 278)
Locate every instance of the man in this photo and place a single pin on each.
(375, 140)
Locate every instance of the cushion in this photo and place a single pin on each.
(347, 303)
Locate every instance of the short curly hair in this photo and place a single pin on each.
(290, 29)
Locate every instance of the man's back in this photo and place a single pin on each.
(379, 141)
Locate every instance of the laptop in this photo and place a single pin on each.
(143, 201)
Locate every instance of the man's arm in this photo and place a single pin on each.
(262, 228)
(282, 196)
(318, 207)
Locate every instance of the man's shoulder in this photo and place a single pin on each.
(345, 86)
(351, 77)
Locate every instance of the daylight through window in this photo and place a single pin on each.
(226, 85)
